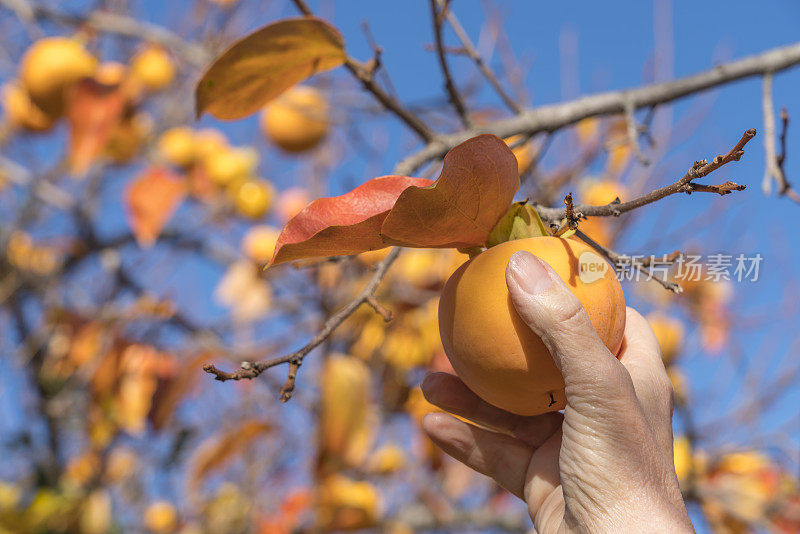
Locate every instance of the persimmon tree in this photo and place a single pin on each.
(124, 222)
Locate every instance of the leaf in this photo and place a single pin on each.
(521, 221)
(261, 66)
(347, 224)
(171, 392)
(216, 452)
(150, 202)
(95, 109)
(478, 181)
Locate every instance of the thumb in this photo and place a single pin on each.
(556, 315)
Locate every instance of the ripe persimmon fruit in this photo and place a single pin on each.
(489, 345)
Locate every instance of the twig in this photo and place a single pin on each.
(377, 53)
(470, 50)
(570, 221)
(365, 75)
(552, 117)
(772, 171)
(379, 308)
(250, 370)
(288, 386)
(633, 132)
(722, 189)
(684, 185)
(455, 97)
(784, 187)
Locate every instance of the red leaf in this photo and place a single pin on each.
(478, 182)
(94, 110)
(347, 224)
(150, 202)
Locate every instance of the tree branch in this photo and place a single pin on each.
(107, 22)
(470, 50)
(683, 185)
(365, 75)
(438, 15)
(250, 370)
(552, 117)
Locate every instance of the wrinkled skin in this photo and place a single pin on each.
(606, 464)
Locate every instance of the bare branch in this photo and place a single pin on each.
(455, 97)
(379, 308)
(250, 370)
(552, 117)
(365, 75)
(772, 172)
(108, 22)
(633, 132)
(684, 185)
(470, 50)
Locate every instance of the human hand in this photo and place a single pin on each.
(606, 464)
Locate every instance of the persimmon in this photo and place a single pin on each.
(50, 66)
(230, 164)
(153, 68)
(111, 73)
(291, 202)
(298, 120)
(22, 112)
(160, 517)
(525, 153)
(253, 197)
(259, 243)
(600, 193)
(177, 146)
(492, 349)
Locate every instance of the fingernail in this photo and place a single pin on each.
(529, 272)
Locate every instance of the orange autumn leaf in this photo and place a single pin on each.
(478, 181)
(347, 224)
(264, 64)
(150, 202)
(95, 110)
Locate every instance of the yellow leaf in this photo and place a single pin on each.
(261, 66)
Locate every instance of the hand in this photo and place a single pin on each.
(606, 464)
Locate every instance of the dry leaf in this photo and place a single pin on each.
(261, 66)
(95, 110)
(478, 182)
(150, 202)
(347, 224)
(217, 451)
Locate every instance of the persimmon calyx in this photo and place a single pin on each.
(520, 221)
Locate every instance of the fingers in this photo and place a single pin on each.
(556, 315)
(641, 356)
(499, 456)
(452, 395)
(543, 479)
